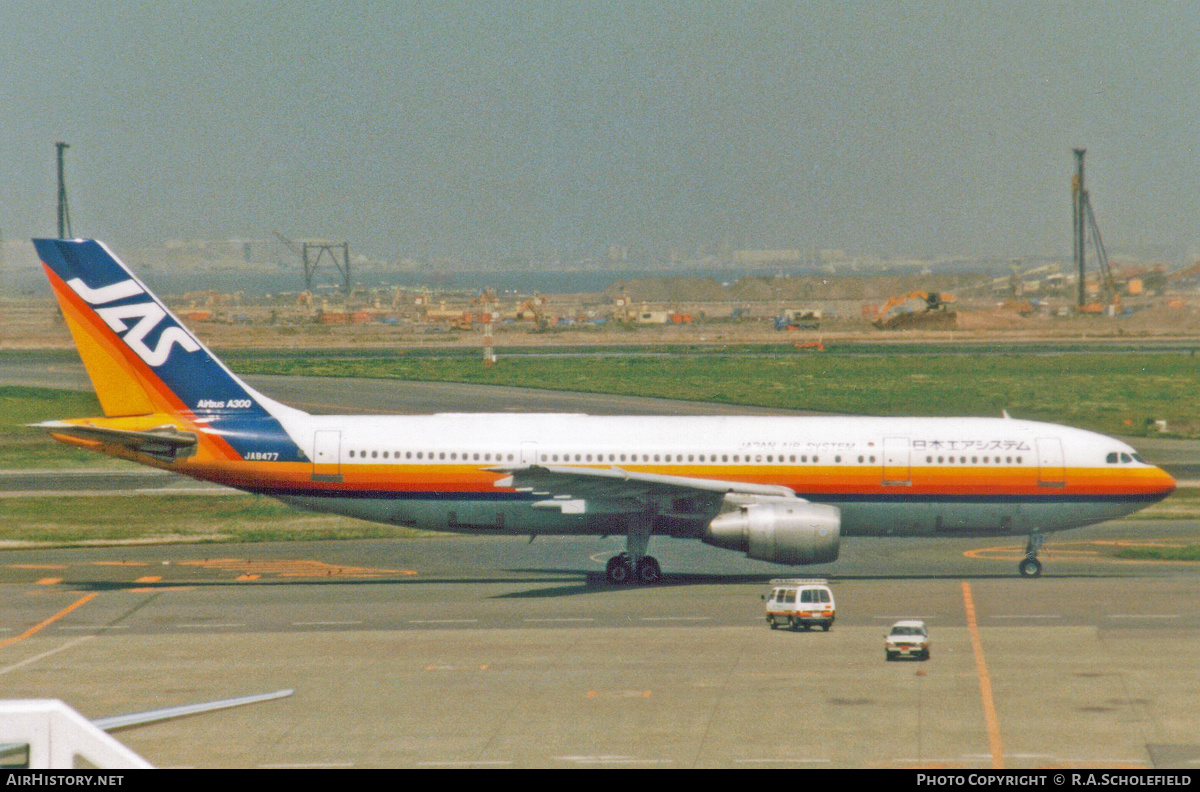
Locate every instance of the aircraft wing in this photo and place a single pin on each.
(165, 442)
(575, 490)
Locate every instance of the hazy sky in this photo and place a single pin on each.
(510, 128)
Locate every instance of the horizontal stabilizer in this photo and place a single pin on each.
(164, 442)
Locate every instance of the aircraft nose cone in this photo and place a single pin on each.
(1164, 482)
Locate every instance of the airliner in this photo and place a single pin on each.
(778, 489)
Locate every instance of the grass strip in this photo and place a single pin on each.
(233, 518)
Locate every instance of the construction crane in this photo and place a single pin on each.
(1085, 222)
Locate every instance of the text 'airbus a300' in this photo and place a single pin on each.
(779, 489)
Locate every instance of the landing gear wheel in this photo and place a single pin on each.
(619, 570)
(648, 571)
(1030, 567)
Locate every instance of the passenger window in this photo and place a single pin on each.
(790, 596)
(806, 595)
(824, 595)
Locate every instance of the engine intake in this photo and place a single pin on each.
(778, 529)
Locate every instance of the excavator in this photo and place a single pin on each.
(917, 309)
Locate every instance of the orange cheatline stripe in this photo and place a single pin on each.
(81, 601)
(985, 681)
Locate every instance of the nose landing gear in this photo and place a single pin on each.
(1030, 566)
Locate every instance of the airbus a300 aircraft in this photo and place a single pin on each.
(779, 489)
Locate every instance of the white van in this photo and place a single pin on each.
(800, 603)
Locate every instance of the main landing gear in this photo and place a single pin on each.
(1030, 566)
(623, 569)
(634, 566)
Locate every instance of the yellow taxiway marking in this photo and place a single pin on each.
(291, 568)
(985, 681)
(49, 581)
(77, 603)
(1076, 551)
(118, 563)
(149, 579)
(37, 566)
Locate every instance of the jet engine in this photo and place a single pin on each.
(779, 529)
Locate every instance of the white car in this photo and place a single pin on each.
(907, 638)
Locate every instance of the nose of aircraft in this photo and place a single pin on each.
(1161, 483)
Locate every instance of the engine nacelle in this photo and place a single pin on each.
(778, 529)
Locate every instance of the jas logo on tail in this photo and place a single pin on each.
(147, 314)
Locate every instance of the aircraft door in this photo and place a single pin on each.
(529, 453)
(327, 452)
(896, 463)
(1050, 462)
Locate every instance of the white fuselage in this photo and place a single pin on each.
(901, 476)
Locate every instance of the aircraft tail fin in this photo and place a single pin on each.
(139, 356)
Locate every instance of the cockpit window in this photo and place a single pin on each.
(1138, 458)
(1126, 458)
(1111, 458)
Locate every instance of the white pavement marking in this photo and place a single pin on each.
(323, 623)
(676, 618)
(467, 763)
(782, 761)
(562, 619)
(1026, 616)
(37, 657)
(443, 621)
(304, 765)
(193, 626)
(1143, 615)
(611, 760)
